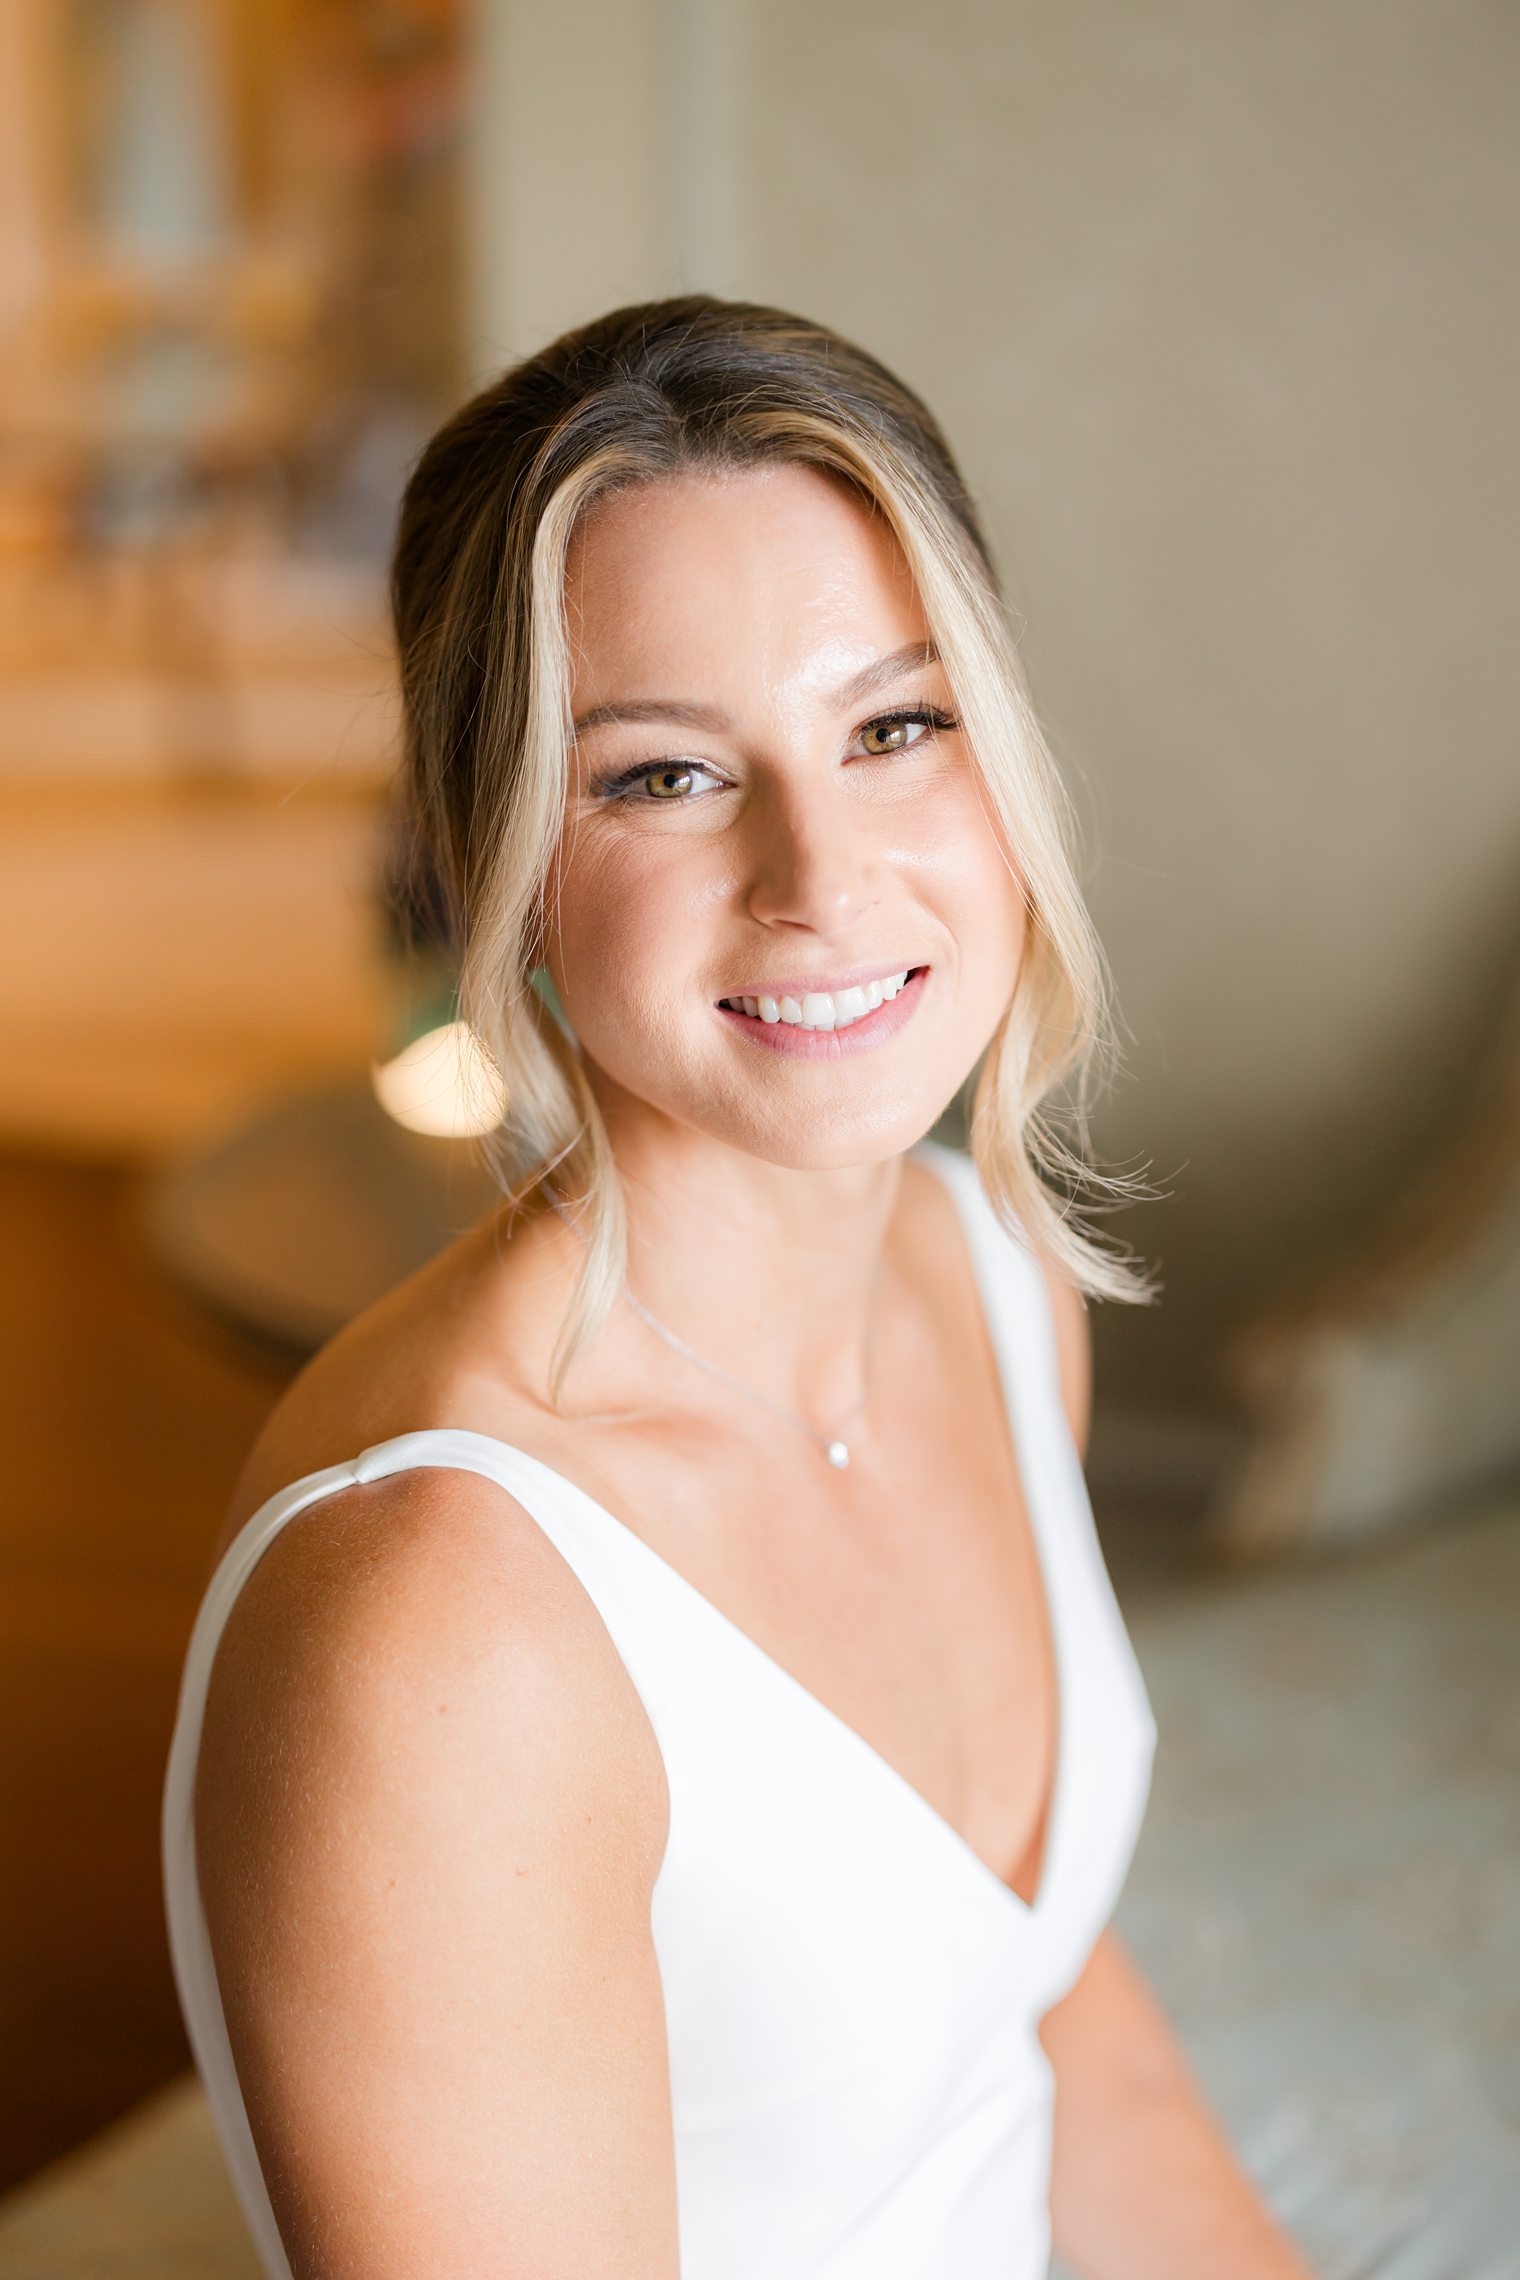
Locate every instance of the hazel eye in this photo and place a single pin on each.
(673, 783)
(886, 736)
(894, 732)
(669, 783)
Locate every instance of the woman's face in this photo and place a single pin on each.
(772, 819)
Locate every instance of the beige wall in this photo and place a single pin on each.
(1217, 304)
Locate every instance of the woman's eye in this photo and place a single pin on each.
(891, 733)
(669, 783)
(887, 736)
(672, 782)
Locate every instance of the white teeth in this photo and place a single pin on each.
(822, 1009)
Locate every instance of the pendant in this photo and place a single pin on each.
(838, 1454)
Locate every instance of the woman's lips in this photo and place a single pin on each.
(873, 1029)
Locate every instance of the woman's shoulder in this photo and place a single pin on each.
(426, 1601)
(389, 1602)
(429, 1563)
(446, 1347)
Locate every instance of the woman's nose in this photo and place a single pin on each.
(813, 862)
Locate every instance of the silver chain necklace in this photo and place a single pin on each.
(834, 1446)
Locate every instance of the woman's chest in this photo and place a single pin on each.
(905, 1597)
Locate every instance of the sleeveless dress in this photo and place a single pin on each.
(851, 1993)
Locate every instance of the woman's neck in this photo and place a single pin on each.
(770, 1273)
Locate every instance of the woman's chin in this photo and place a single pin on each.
(820, 1141)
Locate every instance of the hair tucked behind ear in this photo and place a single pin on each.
(698, 385)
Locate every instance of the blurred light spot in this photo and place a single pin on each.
(443, 1083)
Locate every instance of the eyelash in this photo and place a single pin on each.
(925, 716)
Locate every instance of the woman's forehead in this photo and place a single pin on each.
(769, 569)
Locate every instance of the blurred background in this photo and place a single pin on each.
(1217, 306)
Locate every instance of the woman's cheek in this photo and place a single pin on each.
(622, 945)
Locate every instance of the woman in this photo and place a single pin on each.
(659, 1750)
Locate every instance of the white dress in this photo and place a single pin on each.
(852, 1994)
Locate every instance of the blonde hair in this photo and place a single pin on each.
(691, 386)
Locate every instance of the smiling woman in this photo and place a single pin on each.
(780, 436)
(749, 836)
(659, 1749)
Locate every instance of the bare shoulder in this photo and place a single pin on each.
(425, 1602)
(423, 1614)
(429, 1813)
(440, 1349)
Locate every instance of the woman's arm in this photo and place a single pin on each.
(1144, 2185)
(429, 1817)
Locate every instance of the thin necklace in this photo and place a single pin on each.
(834, 1446)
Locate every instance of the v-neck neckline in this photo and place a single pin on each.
(1029, 1911)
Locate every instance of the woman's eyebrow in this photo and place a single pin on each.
(685, 715)
(914, 656)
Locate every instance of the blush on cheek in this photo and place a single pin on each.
(625, 1000)
(633, 916)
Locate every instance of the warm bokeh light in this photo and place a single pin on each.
(442, 1083)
